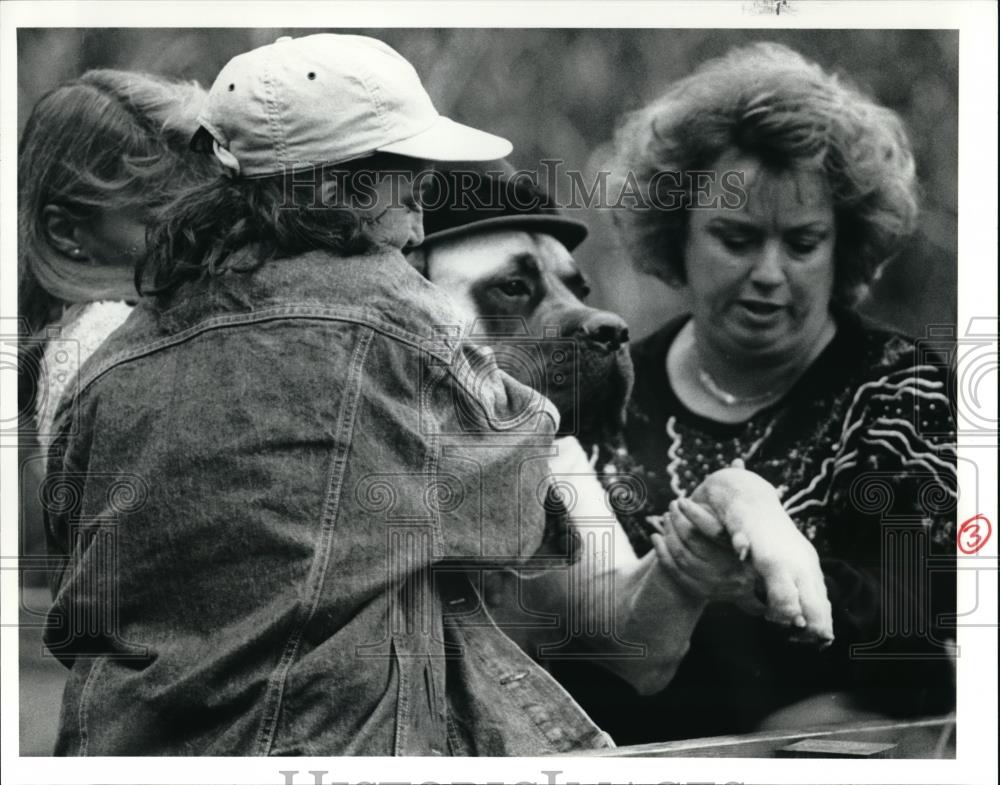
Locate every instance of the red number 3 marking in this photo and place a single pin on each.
(971, 537)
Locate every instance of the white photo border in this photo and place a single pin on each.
(976, 22)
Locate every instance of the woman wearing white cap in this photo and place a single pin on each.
(260, 469)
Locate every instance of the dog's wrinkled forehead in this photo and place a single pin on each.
(474, 257)
(464, 265)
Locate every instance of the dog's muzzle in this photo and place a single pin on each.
(604, 329)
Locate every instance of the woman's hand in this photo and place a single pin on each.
(692, 547)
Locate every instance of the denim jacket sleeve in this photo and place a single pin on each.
(495, 438)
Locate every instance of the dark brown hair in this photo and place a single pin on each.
(200, 232)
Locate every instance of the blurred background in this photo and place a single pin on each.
(556, 94)
(559, 94)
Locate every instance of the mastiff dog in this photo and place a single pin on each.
(502, 249)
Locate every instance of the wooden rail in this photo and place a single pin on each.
(932, 737)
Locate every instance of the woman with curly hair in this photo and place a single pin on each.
(794, 190)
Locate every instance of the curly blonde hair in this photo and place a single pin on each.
(767, 101)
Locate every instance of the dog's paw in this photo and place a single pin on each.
(795, 589)
(759, 529)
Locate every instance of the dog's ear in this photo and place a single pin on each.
(419, 258)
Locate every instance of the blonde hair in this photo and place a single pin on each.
(106, 140)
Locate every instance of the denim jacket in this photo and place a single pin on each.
(277, 494)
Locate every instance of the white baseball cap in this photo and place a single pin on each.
(326, 99)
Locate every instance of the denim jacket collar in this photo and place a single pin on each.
(381, 286)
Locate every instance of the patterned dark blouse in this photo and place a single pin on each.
(862, 452)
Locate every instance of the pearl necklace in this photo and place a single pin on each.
(727, 398)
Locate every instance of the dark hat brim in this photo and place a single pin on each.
(568, 231)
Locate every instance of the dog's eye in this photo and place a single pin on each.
(515, 287)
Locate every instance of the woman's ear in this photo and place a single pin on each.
(64, 232)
